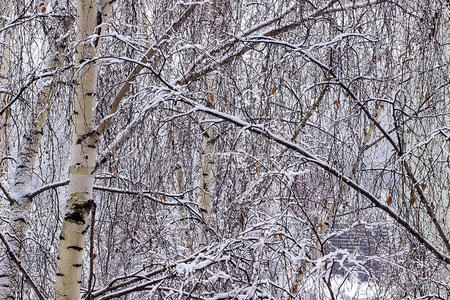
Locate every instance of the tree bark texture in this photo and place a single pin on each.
(84, 152)
(19, 210)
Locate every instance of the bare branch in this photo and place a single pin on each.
(14, 258)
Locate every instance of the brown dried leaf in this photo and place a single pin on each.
(292, 70)
(337, 103)
(274, 89)
(389, 200)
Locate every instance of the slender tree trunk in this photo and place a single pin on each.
(84, 152)
(207, 161)
(6, 266)
(205, 184)
(19, 211)
(5, 54)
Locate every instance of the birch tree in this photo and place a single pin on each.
(18, 194)
(328, 141)
(90, 16)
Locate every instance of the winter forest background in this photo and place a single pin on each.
(269, 149)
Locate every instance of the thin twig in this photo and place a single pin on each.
(7, 194)
(21, 268)
(91, 253)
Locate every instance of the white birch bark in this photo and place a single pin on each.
(84, 152)
(207, 161)
(5, 263)
(19, 211)
(185, 235)
(205, 184)
(5, 54)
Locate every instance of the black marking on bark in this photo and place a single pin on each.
(85, 205)
(76, 265)
(98, 31)
(75, 248)
(79, 210)
(75, 217)
(79, 281)
(85, 230)
(59, 274)
(20, 220)
(37, 132)
(90, 94)
(61, 237)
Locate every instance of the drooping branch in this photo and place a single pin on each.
(329, 70)
(325, 166)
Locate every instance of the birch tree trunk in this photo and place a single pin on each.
(5, 54)
(205, 184)
(207, 140)
(5, 269)
(19, 211)
(84, 151)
